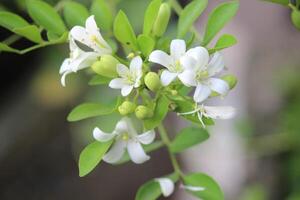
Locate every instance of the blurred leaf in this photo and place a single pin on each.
(99, 80)
(123, 31)
(282, 2)
(188, 137)
(295, 17)
(223, 42)
(87, 110)
(103, 14)
(212, 190)
(91, 156)
(150, 16)
(75, 14)
(10, 20)
(160, 112)
(45, 15)
(30, 32)
(5, 47)
(147, 148)
(189, 15)
(257, 192)
(149, 191)
(146, 44)
(218, 18)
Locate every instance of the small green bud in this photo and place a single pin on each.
(174, 92)
(295, 16)
(143, 112)
(106, 66)
(231, 80)
(152, 81)
(126, 108)
(162, 20)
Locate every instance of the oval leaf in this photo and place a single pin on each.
(211, 190)
(146, 44)
(189, 15)
(223, 42)
(87, 110)
(30, 32)
(123, 31)
(10, 20)
(91, 156)
(150, 16)
(75, 14)
(217, 19)
(103, 14)
(45, 15)
(188, 137)
(149, 191)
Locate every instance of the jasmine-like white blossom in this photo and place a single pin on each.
(166, 186)
(200, 72)
(129, 77)
(78, 60)
(125, 137)
(220, 112)
(90, 36)
(176, 63)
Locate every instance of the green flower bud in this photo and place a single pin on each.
(126, 108)
(143, 112)
(174, 92)
(231, 80)
(295, 16)
(162, 20)
(152, 81)
(106, 66)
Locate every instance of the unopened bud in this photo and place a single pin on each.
(295, 17)
(231, 80)
(143, 112)
(162, 20)
(126, 108)
(174, 92)
(106, 66)
(152, 81)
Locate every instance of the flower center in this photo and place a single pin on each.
(130, 78)
(96, 41)
(202, 75)
(177, 67)
(125, 136)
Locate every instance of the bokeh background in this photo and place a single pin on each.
(255, 156)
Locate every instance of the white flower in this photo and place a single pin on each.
(175, 63)
(166, 186)
(78, 60)
(220, 112)
(125, 137)
(130, 78)
(200, 73)
(90, 36)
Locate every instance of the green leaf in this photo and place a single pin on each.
(30, 32)
(150, 16)
(149, 191)
(5, 47)
(212, 190)
(188, 137)
(57, 39)
(160, 112)
(99, 80)
(103, 14)
(10, 20)
(147, 148)
(75, 14)
(91, 156)
(189, 15)
(146, 44)
(87, 110)
(45, 15)
(282, 2)
(123, 31)
(218, 18)
(223, 42)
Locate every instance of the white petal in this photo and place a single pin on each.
(63, 78)
(167, 77)
(90, 24)
(192, 188)
(147, 137)
(122, 70)
(202, 92)
(84, 60)
(130, 128)
(216, 64)
(116, 152)
(136, 64)
(188, 62)
(200, 54)
(161, 58)
(219, 85)
(79, 33)
(122, 126)
(126, 89)
(166, 185)
(188, 78)
(177, 48)
(136, 152)
(65, 66)
(102, 136)
(117, 83)
(220, 112)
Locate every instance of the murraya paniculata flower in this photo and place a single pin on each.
(125, 137)
(129, 77)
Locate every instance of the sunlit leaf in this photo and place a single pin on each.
(75, 14)
(223, 42)
(30, 32)
(146, 44)
(103, 14)
(150, 16)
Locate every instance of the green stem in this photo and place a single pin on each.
(167, 142)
